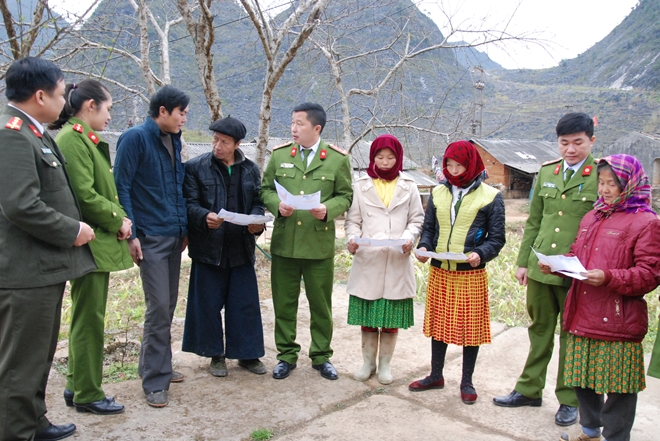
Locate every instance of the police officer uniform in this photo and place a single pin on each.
(556, 209)
(303, 245)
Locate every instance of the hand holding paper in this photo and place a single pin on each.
(243, 219)
(442, 256)
(569, 266)
(394, 243)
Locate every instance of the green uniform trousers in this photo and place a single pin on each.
(89, 295)
(285, 281)
(544, 304)
(29, 326)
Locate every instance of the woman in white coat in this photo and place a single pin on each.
(386, 205)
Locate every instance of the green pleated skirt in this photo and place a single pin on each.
(604, 366)
(381, 313)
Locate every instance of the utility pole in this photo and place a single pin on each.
(478, 101)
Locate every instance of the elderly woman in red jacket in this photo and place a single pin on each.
(606, 313)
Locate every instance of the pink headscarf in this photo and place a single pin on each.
(385, 142)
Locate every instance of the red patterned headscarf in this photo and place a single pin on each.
(636, 193)
(380, 143)
(467, 155)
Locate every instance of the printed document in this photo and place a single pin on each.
(298, 202)
(394, 243)
(569, 266)
(243, 219)
(442, 256)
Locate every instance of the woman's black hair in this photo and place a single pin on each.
(76, 95)
(604, 166)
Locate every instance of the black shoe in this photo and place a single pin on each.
(53, 432)
(514, 399)
(283, 370)
(328, 371)
(106, 406)
(68, 397)
(566, 415)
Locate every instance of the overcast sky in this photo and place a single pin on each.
(566, 27)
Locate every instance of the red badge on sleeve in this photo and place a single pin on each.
(557, 168)
(78, 128)
(587, 170)
(323, 154)
(93, 137)
(294, 150)
(14, 123)
(35, 130)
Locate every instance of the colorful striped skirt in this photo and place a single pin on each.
(381, 313)
(457, 310)
(604, 366)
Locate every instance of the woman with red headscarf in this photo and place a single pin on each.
(386, 205)
(464, 215)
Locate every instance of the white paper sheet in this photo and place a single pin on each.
(243, 219)
(394, 243)
(442, 256)
(298, 202)
(569, 266)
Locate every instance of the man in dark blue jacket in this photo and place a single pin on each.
(149, 176)
(222, 273)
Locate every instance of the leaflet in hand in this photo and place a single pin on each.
(243, 219)
(569, 266)
(394, 243)
(298, 202)
(442, 256)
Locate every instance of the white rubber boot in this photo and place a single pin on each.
(387, 343)
(369, 351)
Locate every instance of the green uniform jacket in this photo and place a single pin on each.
(88, 164)
(40, 216)
(555, 214)
(301, 235)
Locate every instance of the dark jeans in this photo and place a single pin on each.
(235, 289)
(616, 415)
(160, 280)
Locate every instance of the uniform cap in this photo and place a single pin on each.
(229, 126)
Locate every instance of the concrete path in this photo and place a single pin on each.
(308, 407)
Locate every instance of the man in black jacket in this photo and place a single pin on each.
(222, 273)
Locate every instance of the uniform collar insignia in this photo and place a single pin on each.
(35, 130)
(93, 137)
(587, 170)
(558, 168)
(294, 151)
(78, 128)
(323, 154)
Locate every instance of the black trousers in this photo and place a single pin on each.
(615, 415)
(29, 326)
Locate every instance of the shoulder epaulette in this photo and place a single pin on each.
(338, 149)
(14, 123)
(77, 128)
(282, 145)
(552, 161)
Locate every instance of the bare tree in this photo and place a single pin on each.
(202, 32)
(37, 36)
(341, 41)
(272, 38)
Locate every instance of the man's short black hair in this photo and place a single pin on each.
(169, 97)
(28, 75)
(315, 113)
(575, 123)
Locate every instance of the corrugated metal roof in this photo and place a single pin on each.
(524, 155)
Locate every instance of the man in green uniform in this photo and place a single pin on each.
(303, 241)
(565, 191)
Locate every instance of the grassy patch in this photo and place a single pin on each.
(261, 434)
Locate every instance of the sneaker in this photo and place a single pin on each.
(579, 436)
(157, 399)
(255, 366)
(177, 377)
(218, 367)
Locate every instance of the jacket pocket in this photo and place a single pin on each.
(285, 173)
(53, 176)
